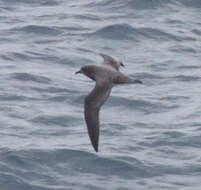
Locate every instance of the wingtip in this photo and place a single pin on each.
(95, 148)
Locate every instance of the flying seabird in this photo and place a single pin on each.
(105, 76)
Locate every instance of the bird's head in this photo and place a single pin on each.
(87, 71)
(79, 72)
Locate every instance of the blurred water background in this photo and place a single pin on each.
(150, 134)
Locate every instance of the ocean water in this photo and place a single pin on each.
(150, 134)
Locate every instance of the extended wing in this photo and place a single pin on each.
(109, 61)
(120, 78)
(92, 105)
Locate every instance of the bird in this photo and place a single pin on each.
(106, 76)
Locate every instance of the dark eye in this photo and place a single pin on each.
(122, 64)
(83, 69)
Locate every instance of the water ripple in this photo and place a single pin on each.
(54, 120)
(129, 4)
(35, 2)
(147, 107)
(37, 29)
(116, 31)
(30, 77)
(127, 32)
(188, 78)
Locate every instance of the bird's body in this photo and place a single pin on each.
(105, 77)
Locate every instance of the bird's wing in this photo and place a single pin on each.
(109, 61)
(92, 105)
(120, 78)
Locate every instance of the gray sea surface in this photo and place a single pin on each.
(150, 134)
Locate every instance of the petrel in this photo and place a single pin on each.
(105, 76)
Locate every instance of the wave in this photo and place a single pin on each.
(130, 4)
(147, 107)
(45, 169)
(13, 97)
(182, 49)
(116, 31)
(191, 3)
(35, 2)
(37, 29)
(186, 78)
(28, 166)
(197, 32)
(54, 120)
(30, 77)
(142, 4)
(127, 32)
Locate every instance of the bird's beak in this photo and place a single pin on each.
(78, 72)
(138, 81)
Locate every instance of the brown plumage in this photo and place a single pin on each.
(105, 78)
